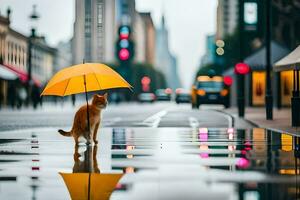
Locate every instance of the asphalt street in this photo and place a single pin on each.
(161, 114)
(156, 151)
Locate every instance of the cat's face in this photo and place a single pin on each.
(99, 100)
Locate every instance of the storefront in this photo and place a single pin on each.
(6, 78)
(13, 86)
(257, 77)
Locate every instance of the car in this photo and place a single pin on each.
(210, 90)
(163, 94)
(182, 96)
(146, 97)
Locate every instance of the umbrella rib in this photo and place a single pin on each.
(66, 87)
(97, 80)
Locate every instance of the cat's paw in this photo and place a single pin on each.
(76, 156)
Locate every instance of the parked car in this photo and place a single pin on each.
(146, 97)
(163, 94)
(210, 90)
(182, 96)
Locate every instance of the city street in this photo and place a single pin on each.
(161, 114)
(149, 100)
(154, 148)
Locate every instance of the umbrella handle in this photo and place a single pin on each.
(87, 106)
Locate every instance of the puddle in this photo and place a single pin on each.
(148, 163)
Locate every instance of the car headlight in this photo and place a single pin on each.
(201, 92)
(224, 92)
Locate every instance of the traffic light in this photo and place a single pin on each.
(124, 46)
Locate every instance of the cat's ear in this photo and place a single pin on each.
(105, 95)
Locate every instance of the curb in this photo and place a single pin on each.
(228, 115)
(234, 119)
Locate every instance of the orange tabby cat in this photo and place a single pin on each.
(89, 162)
(80, 125)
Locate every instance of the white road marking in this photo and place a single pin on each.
(154, 120)
(193, 122)
(112, 121)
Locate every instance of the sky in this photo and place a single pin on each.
(188, 21)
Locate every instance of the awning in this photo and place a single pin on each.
(257, 61)
(23, 76)
(7, 74)
(289, 62)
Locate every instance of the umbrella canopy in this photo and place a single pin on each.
(101, 185)
(72, 80)
(289, 62)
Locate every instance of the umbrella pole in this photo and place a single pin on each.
(87, 110)
(89, 187)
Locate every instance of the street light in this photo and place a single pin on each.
(33, 18)
(241, 77)
(269, 96)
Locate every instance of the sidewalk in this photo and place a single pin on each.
(281, 119)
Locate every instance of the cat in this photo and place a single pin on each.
(89, 162)
(80, 124)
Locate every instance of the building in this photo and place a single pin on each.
(210, 51)
(140, 39)
(14, 56)
(13, 53)
(63, 56)
(286, 22)
(42, 59)
(144, 38)
(125, 12)
(164, 60)
(13, 45)
(227, 17)
(150, 37)
(94, 31)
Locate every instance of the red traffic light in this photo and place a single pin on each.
(124, 32)
(242, 68)
(227, 80)
(146, 80)
(124, 36)
(124, 54)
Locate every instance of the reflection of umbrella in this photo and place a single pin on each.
(84, 78)
(101, 185)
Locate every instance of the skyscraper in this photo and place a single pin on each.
(227, 17)
(164, 60)
(94, 31)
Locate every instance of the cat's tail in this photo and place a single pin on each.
(64, 133)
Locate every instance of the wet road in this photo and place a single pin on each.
(162, 114)
(171, 153)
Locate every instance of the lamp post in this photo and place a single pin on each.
(33, 18)
(269, 96)
(240, 77)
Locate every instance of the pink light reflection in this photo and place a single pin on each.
(230, 130)
(204, 148)
(203, 130)
(243, 163)
(203, 134)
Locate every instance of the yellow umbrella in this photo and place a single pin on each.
(98, 186)
(85, 77)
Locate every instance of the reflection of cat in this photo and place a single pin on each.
(89, 164)
(80, 127)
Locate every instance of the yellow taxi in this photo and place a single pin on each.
(210, 90)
